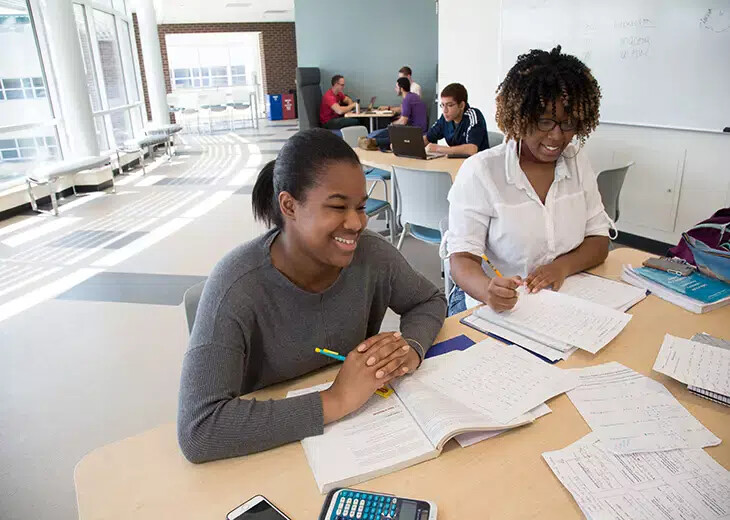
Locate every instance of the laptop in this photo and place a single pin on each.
(407, 141)
(370, 108)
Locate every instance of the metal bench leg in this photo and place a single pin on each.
(52, 193)
(141, 161)
(33, 203)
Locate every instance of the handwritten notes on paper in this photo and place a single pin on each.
(632, 413)
(694, 363)
(667, 485)
(560, 321)
(501, 381)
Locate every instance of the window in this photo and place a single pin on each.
(27, 148)
(22, 88)
(28, 132)
(112, 71)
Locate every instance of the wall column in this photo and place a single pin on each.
(152, 58)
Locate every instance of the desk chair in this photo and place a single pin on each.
(374, 207)
(445, 265)
(309, 97)
(191, 299)
(495, 138)
(609, 185)
(421, 202)
(351, 134)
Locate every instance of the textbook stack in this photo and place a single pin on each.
(697, 293)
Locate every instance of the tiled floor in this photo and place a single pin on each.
(92, 332)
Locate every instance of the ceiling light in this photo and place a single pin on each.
(276, 11)
(238, 4)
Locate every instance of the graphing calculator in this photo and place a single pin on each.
(352, 504)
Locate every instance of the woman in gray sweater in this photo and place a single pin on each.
(318, 278)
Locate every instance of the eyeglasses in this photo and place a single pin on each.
(546, 125)
(448, 105)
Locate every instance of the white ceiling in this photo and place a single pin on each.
(207, 11)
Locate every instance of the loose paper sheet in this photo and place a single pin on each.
(694, 363)
(667, 485)
(632, 413)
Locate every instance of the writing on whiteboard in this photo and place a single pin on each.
(637, 23)
(716, 20)
(634, 47)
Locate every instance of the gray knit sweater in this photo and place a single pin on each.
(255, 328)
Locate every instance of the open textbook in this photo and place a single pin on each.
(417, 420)
(559, 321)
(668, 485)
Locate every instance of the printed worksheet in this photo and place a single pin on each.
(499, 380)
(694, 363)
(617, 295)
(632, 413)
(560, 321)
(667, 485)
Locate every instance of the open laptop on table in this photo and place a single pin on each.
(370, 108)
(407, 141)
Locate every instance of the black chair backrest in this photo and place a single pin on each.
(309, 97)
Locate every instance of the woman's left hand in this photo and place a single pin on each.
(545, 276)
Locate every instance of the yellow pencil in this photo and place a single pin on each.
(492, 266)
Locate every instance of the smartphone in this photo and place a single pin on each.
(669, 265)
(257, 508)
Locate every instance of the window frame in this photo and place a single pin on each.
(135, 110)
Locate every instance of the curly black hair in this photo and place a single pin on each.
(540, 77)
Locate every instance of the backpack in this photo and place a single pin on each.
(707, 246)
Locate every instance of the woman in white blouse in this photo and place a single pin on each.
(531, 204)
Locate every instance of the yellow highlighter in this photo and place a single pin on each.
(491, 266)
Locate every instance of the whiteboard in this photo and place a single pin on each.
(659, 62)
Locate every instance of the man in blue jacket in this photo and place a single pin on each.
(463, 126)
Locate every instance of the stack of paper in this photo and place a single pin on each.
(644, 458)
(697, 293)
(668, 485)
(703, 365)
(559, 321)
(610, 293)
(632, 413)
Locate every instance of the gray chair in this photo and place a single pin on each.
(495, 138)
(609, 185)
(309, 97)
(421, 202)
(191, 299)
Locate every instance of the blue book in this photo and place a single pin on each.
(696, 286)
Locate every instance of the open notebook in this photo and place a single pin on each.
(414, 423)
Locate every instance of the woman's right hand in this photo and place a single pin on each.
(502, 292)
(354, 385)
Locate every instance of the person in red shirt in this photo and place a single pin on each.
(335, 104)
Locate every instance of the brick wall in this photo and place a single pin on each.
(277, 42)
(141, 66)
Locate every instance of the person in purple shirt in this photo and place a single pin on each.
(412, 113)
